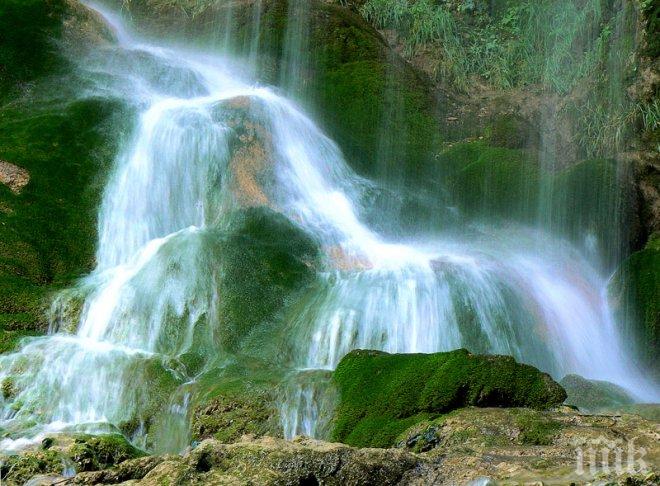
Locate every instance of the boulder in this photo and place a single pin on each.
(594, 395)
(265, 259)
(633, 293)
(382, 394)
(63, 453)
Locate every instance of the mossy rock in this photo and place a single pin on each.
(594, 395)
(381, 394)
(92, 453)
(18, 469)
(634, 291)
(594, 197)
(491, 183)
(511, 131)
(475, 429)
(47, 238)
(27, 50)
(64, 143)
(81, 451)
(265, 259)
(237, 410)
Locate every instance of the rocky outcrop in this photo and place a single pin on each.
(522, 446)
(358, 88)
(515, 446)
(382, 394)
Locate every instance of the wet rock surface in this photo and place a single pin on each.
(508, 446)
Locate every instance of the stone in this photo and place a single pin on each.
(14, 177)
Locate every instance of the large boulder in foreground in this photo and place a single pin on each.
(382, 394)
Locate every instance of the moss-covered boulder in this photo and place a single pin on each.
(230, 405)
(91, 453)
(62, 452)
(381, 394)
(594, 395)
(489, 182)
(265, 259)
(634, 291)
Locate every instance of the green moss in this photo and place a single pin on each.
(232, 414)
(634, 291)
(264, 259)
(19, 469)
(594, 395)
(91, 453)
(381, 395)
(47, 239)
(237, 400)
(27, 51)
(491, 182)
(592, 196)
(535, 429)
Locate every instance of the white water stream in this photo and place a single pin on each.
(153, 296)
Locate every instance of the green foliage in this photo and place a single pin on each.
(651, 11)
(381, 395)
(560, 46)
(650, 114)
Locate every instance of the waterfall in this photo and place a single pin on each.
(153, 297)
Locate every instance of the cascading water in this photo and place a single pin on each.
(153, 297)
